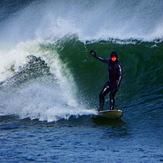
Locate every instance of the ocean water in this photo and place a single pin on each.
(49, 83)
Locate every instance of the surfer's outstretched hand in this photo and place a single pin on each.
(92, 52)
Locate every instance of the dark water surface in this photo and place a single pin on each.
(85, 139)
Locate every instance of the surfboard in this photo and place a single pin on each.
(111, 113)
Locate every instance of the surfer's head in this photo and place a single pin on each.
(113, 56)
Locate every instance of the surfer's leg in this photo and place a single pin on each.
(112, 101)
(104, 91)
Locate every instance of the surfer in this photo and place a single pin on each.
(115, 77)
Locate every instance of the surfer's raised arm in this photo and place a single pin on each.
(93, 53)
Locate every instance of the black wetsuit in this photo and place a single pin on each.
(112, 85)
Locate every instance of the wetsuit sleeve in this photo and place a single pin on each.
(102, 59)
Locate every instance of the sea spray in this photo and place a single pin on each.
(89, 20)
